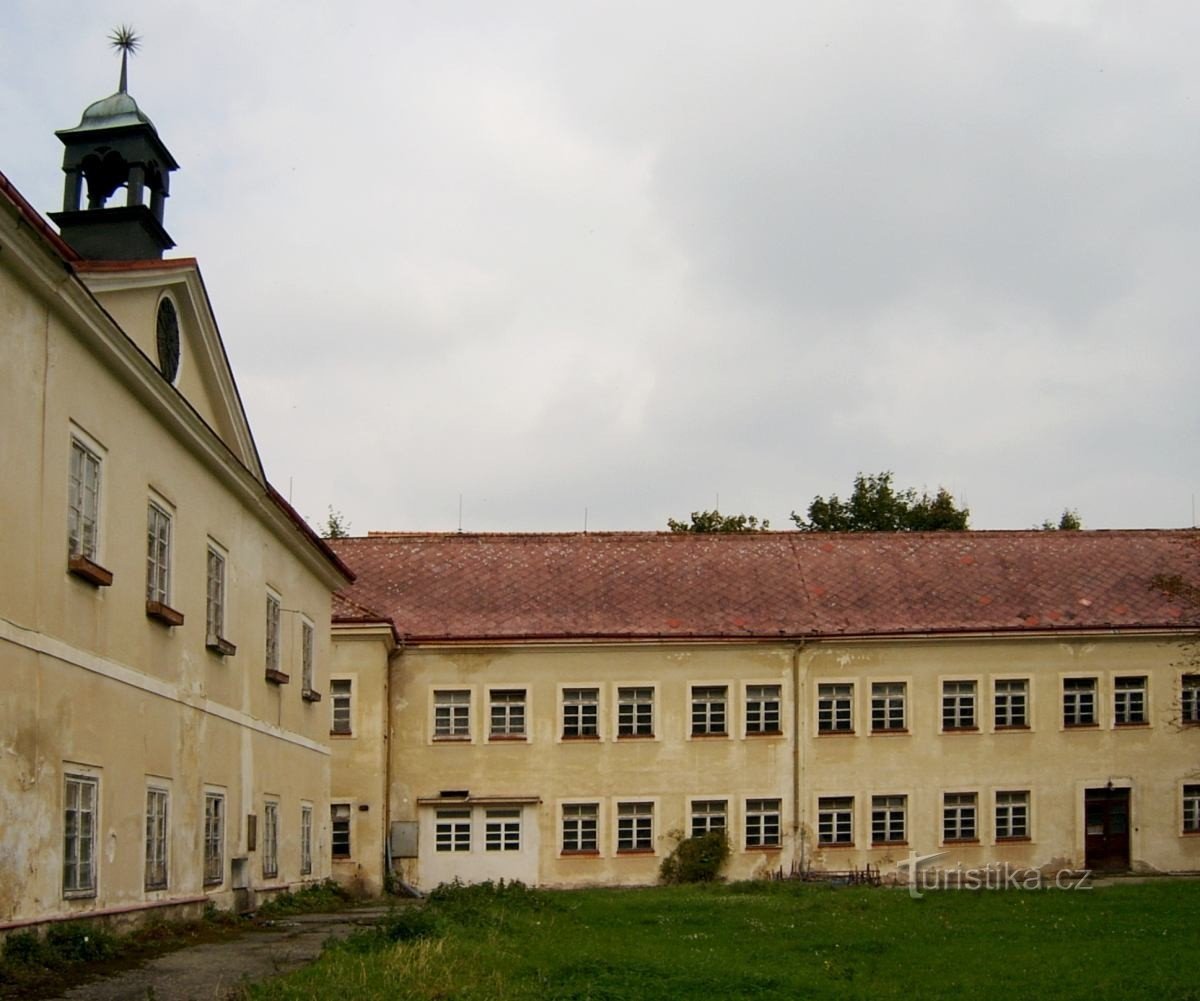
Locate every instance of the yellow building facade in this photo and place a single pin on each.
(831, 703)
(164, 642)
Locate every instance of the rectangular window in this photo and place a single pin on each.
(339, 817)
(635, 712)
(215, 597)
(762, 708)
(708, 710)
(958, 705)
(1189, 700)
(762, 823)
(158, 555)
(635, 827)
(888, 819)
(580, 822)
(81, 803)
(958, 816)
(452, 714)
(708, 815)
(214, 838)
(273, 649)
(835, 820)
(1079, 702)
(156, 839)
(506, 713)
(835, 709)
(581, 712)
(308, 640)
(270, 839)
(1012, 815)
(339, 700)
(83, 502)
(1191, 809)
(306, 840)
(1012, 703)
(452, 832)
(888, 706)
(502, 830)
(1129, 701)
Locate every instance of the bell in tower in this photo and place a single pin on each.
(115, 146)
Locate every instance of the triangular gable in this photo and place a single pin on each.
(131, 291)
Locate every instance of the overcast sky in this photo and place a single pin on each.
(628, 257)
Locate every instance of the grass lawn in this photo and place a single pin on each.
(771, 940)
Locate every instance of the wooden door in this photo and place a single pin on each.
(1106, 841)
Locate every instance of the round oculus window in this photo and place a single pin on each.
(168, 340)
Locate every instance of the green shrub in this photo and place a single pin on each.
(696, 860)
(326, 896)
(79, 942)
(24, 949)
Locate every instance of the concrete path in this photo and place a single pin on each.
(210, 972)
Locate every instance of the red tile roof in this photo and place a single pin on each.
(768, 585)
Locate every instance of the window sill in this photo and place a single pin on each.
(960, 841)
(835, 733)
(1015, 839)
(889, 844)
(1011, 727)
(635, 736)
(452, 738)
(581, 736)
(87, 570)
(310, 695)
(890, 731)
(1189, 834)
(635, 851)
(341, 858)
(579, 853)
(507, 738)
(220, 645)
(960, 729)
(835, 844)
(341, 733)
(277, 677)
(764, 848)
(1131, 726)
(163, 613)
(1081, 726)
(710, 736)
(751, 734)
(79, 895)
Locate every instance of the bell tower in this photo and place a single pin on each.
(115, 146)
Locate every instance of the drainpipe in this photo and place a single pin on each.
(799, 761)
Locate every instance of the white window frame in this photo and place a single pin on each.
(835, 707)
(889, 706)
(306, 839)
(508, 713)
(270, 839)
(835, 821)
(341, 706)
(273, 652)
(451, 713)
(635, 826)
(1080, 704)
(889, 819)
(1131, 700)
(1189, 698)
(580, 712)
(960, 705)
(764, 822)
(81, 832)
(636, 711)
(308, 654)
(580, 828)
(1012, 815)
(502, 829)
(1190, 805)
(960, 817)
(709, 710)
(341, 828)
(157, 874)
(763, 709)
(160, 520)
(215, 592)
(452, 830)
(84, 506)
(213, 853)
(708, 815)
(1011, 705)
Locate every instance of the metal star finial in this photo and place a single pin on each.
(126, 40)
